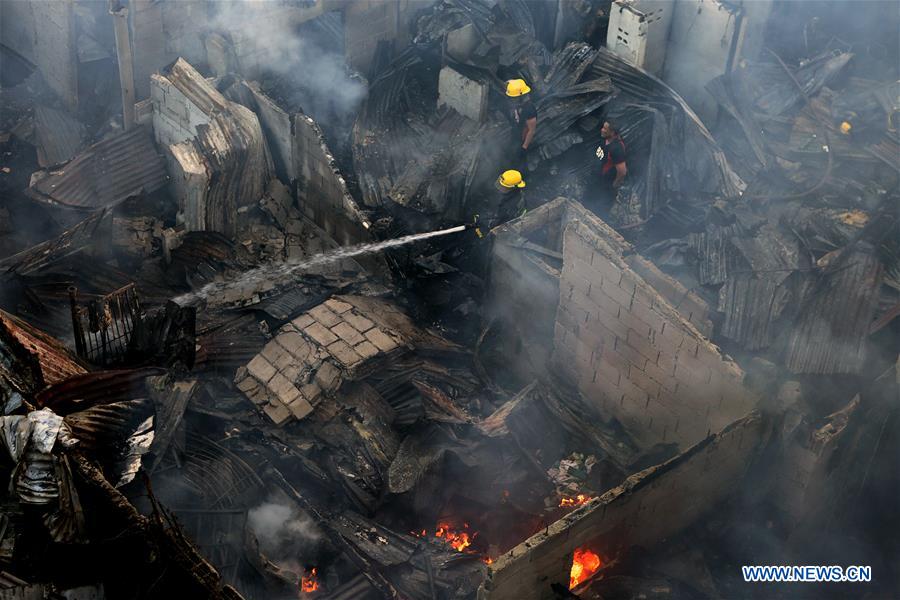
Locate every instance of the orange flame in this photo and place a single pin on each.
(308, 583)
(584, 564)
(579, 500)
(460, 540)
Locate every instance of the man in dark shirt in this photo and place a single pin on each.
(612, 157)
(523, 116)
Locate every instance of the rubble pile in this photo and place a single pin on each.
(257, 341)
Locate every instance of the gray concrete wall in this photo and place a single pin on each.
(321, 190)
(366, 22)
(44, 34)
(639, 31)
(629, 350)
(163, 31)
(278, 127)
(466, 96)
(700, 44)
(175, 117)
(17, 28)
(647, 508)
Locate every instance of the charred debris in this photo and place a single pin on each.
(587, 399)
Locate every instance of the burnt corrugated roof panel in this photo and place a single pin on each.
(57, 362)
(87, 389)
(58, 136)
(105, 173)
(67, 243)
(830, 333)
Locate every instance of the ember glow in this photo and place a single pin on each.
(579, 500)
(584, 564)
(460, 540)
(308, 583)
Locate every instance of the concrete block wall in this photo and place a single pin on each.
(163, 31)
(321, 190)
(189, 181)
(524, 289)
(54, 48)
(466, 96)
(175, 116)
(278, 127)
(630, 351)
(367, 22)
(648, 507)
(699, 49)
(17, 28)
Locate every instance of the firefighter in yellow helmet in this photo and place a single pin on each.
(523, 118)
(512, 201)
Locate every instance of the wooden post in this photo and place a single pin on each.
(125, 60)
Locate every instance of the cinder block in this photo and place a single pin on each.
(260, 368)
(466, 96)
(321, 335)
(611, 288)
(346, 332)
(344, 353)
(323, 315)
(630, 354)
(641, 343)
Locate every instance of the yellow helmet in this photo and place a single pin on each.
(511, 179)
(516, 88)
(846, 127)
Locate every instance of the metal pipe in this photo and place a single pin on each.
(125, 59)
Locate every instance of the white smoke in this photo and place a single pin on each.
(282, 530)
(268, 33)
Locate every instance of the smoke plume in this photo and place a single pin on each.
(282, 531)
(324, 86)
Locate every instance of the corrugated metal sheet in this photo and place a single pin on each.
(831, 331)
(69, 242)
(56, 361)
(657, 123)
(756, 294)
(87, 389)
(105, 173)
(117, 434)
(226, 346)
(58, 136)
(714, 252)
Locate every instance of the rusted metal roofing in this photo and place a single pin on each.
(56, 361)
(105, 173)
(87, 389)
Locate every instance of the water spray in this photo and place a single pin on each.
(285, 269)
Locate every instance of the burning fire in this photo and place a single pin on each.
(579, 500)
(308, 583)
(584, 564)
(460, 540)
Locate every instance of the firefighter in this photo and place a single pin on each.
(523, 117)
(512, 202)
